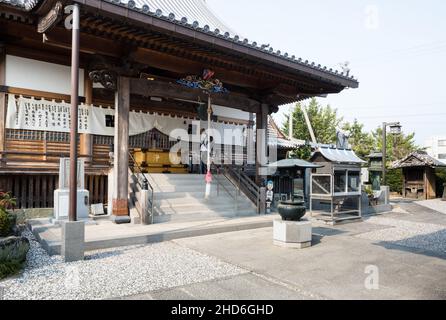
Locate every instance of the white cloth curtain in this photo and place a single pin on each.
(44, 115)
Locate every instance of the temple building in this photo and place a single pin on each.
(150, 71)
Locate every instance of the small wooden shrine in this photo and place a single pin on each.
(419, 181)
(336, 186)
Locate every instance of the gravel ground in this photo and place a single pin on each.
(113, 273)
(424, 236)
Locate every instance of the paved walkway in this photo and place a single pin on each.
(410, 257)
(106, 234)
(405, 251)
(436, 204)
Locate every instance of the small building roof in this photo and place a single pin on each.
(418, 159)
(375, 154)
(294, 163)
(339, 155)
(277, 137)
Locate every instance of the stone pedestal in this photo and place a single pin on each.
(293, 234)
(73, 241)
(62, 194)
(61, 204)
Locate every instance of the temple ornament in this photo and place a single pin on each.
(51, 18)
(206, 82)
(107, 78)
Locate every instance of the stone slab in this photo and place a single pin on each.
(121, 219)
(73, 241)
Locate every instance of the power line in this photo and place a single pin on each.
(393, 106)
(427, 47)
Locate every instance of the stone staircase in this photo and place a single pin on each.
(181, 198)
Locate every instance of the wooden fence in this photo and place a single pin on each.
(37, 191)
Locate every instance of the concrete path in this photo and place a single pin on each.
(436, 204)
(334, 268)
(106, 234)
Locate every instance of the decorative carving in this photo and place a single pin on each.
(51, 18)
(107, 78)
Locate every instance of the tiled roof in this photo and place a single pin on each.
(194, 10)
(192, 7)
(195, 14)
(276, 137)
(418, 159)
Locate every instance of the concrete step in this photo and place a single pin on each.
(186, 201)
(202, 216)
(187, 209)
(199, 195)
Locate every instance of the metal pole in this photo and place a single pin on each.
(74, 114)
(209, 133)
(208, 175)
(384, 151)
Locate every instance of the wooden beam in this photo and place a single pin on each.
(261, 142)
(121, 158)
(147, 88)
(86, 140)
(2, 102)
(36, 93)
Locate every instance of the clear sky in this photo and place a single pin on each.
(396, 48)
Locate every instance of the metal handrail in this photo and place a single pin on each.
(144, 184)
(251, 190)
(219, 183)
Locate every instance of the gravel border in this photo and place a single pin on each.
(112, 273)
(417, 235)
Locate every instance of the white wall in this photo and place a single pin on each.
(434, 148)
(230, 113)
(42, 76)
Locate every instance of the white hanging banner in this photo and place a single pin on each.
(44, 115)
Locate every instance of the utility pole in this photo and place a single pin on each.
(74, 114)
(310, 127)
(395, 128)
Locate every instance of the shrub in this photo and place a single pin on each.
(440, 181)
(6, 223)
(394, 180)
(7, 220)
(9, 268)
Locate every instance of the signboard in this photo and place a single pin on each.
(64, 174)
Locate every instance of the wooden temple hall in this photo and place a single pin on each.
(147, 68)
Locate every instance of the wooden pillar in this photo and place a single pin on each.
(2, 102)
(86, 140)
(121, 151)
(261, 142)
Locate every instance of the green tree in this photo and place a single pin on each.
(398, 146)
(362, 142)
(324, 121)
